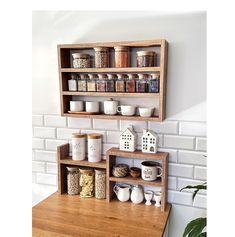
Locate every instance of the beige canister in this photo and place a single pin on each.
(94, 147)
(78, 146)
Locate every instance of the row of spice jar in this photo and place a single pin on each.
(112, 83)
(122, 58)
(86, 181)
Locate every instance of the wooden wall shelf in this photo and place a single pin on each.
(64, 60)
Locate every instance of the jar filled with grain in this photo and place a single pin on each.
(81, 60)
(100, 184)
(72, 83)
(141, 83)
(154, 83)
(73, 186)
(101, 83)
(120, 83)
(121, 56)
(130, 83)
(145, 58)
(82, 82)
(78, 146)
(94, 147)
(91, 82)
(101, 57)
(86, 182)
(110, 83)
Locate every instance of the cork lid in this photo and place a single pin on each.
(100, 171)
(144, 53)
(80, 55)
(94, 135)
(72, 169)
(86, 170)
(101, 49)
(77, 135)
(121, 48)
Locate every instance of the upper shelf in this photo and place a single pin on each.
(114, 70)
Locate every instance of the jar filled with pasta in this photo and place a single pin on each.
(86, 182)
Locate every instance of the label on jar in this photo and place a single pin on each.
(78, 148)
(94, 150)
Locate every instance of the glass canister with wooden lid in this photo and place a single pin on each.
(94, 147)
(121, 56)
(100, 183)
(73, 186)
(82, 82)
(78, 146)
(86, 182)
(101, 57)
(120, 83)
(145, 58)
(81, 60)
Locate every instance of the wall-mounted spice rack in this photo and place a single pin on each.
(66, 68)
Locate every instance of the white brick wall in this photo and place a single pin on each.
(185, 142)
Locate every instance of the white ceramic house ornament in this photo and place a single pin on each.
(128, 139)
(149, 142)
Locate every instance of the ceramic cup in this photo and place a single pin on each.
(146, 112)
(150, 170)
(127, 110)
(92, 106)
(76, 106)
(148, 197)
(157, 199)
(110, 107)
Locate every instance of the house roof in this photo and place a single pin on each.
(153, 134)
(128, 130)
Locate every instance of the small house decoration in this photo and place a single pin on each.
(149, 142)
(128, 139)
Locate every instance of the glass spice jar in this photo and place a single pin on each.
(72, 83)
(121, 56)
(101, 57)
(154, 83)
(73, 186)
(145, 58)
(110, 83)
(101, 83)
(82, 82)
(91, 82)
(86, 182)
(120, 83)
(100, 184)
(130, 83)
(141, 83)
(81, 60)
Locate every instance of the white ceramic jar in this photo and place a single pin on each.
(110, 106)
(94, 147)
(78, 146)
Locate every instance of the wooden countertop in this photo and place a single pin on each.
(64, 216)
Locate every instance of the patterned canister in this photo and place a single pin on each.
(94, 147)
(78, 146)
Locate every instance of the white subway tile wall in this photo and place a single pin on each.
(185, 142)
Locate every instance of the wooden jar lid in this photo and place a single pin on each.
(100, 171)
(144, 53)
(72, 169)
(80, 55)
(101, 49)
(78, 135)
(94, 136)
(86, 170)
(121, 48)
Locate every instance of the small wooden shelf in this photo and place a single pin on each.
(139, 181)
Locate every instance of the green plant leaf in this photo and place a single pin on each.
(195, 227)
(197, 187)
(202, 234)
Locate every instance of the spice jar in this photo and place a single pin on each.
(130, 83)
(145, 58)
(100, 183)
(86, 182)
(110, 83)
(72, 83)
(101, 57)
(154, 82)
(82, 82)
(91, 83)
(141, 83)
(78, 146)
(120, 83)
(101, 83)
(121, 56)
(73, 186)
(81, 60)
(94, 147)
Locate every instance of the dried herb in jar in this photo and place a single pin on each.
(130, 83)
(110, 83)
(120, 83)
(101, 83)
(154, 83)
(145, 58)
(121, 56)
(141, 83)
(82, 82)
(91, 83)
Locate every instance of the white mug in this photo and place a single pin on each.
(110, 107)
(127, 110)
(149, 170)
(76, 106)
(92, 106)
(145, 112)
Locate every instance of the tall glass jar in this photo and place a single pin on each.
(91, 82)
(101, 83)
(120, 83)
(86, 182)
(121, 56)
(73, 186)
(100, 184)
(94, 147)
(130, 83)
(72, 83)
(154, 83)
(81, 60)
(110, 83)
(141, 84)
(145, 58)
(101, 57)
(82, 82)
